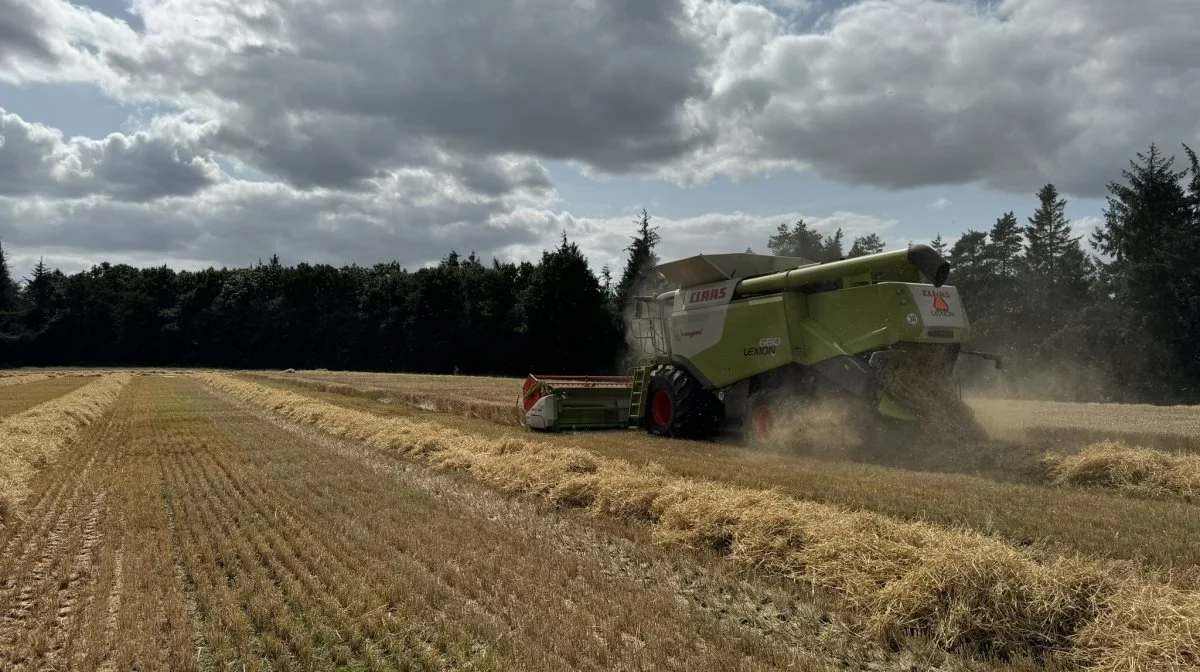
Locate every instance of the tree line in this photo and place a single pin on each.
(1119, 321)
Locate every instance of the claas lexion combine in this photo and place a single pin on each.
(743, 332)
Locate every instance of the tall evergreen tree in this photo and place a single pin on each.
(639, 276)
(1050, 247)
(971, 269)
(1057, 270)
(1151, 235)
(9, 326)
(939, 245)
(1005, 245)
(8, 289)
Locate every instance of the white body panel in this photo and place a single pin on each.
(939, 307)
(698, 317)
(543, 413)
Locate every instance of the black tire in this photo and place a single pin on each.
(677, 405)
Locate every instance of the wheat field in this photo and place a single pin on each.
(268, 520)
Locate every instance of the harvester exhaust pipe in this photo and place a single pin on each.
(929, 263)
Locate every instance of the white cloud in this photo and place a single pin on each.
(939, 203)
(396, 129)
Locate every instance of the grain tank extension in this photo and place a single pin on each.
(743, 332)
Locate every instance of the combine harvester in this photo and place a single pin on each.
(743, 333)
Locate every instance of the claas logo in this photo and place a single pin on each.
(940, 305)
(701, 295)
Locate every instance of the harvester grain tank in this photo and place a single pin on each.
(742, 333)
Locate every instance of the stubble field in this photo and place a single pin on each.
(330, 520)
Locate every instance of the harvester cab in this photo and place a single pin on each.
(741, 334)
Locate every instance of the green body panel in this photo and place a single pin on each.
(742, 352)
(764, 333)
(595, 408)
(862, 319)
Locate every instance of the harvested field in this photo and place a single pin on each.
(33, 438)
(1073, 425)
(188, 532)
(1056, 520)
(214, 521)
(1058, 425)
(18, 398)
(955, 587)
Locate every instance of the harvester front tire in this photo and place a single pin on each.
(678, 406)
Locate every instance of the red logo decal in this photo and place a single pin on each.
(940, 304)
(708, 295)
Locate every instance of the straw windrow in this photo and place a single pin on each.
(1141, 471)
(31, 439)
(22, 378)
(957, 587)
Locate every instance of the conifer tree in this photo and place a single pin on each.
(639, 276)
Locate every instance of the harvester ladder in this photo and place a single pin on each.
(637, 395)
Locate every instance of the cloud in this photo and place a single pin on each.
(940, 203)
(22, 34)
(402, 128)
(890, 93)
(38, 161)
(909, 93)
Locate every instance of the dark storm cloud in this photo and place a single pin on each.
(335, 92)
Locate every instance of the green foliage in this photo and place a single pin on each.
(502, 318)
(870, 243)
(939, 245)
(639, 276)
(801, 241)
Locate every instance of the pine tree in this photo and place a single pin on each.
(639, 276)
(1151, 234)
(1057, 268)
(863, 245)
(8, 290)
(1004, 248)
(833, 247)
(939, 245)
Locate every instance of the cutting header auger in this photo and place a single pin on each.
(742, 333)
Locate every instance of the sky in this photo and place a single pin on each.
(198, 133)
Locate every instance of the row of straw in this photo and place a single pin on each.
(22, 378)
(955, 587)
(499, 412)
(31, 439)
(1109, 464)
(1135, 470)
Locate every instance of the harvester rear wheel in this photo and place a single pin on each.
(761, 418)
(680, 406)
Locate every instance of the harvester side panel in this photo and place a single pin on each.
(754, 338)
